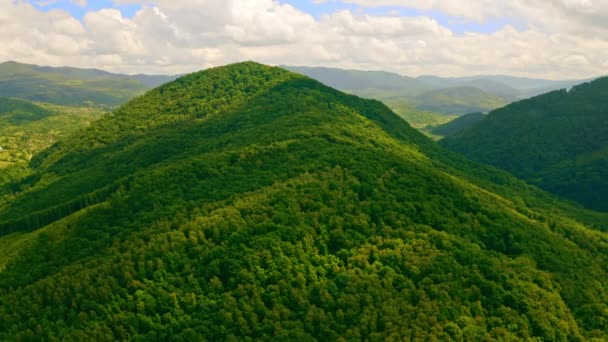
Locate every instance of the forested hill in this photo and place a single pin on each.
(16, 112)
(248, 202)
(558, 141)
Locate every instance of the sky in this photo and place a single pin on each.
(557, 39)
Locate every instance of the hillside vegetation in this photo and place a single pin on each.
(249, 202)
(27, 128)
(558, 141)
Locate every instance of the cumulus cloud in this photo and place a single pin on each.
(550, 15)
(561, 38)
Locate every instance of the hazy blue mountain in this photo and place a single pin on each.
(357, 80)
(508, 86)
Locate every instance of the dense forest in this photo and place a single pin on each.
(558, 141)
(248, 202)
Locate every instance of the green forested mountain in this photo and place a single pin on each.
(249, 202)
(558, 141)
(72, 86)
(457, 125)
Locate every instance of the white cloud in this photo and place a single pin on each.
(562, 38)
(552, 15)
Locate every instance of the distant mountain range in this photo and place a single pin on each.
(447, 96)
(73, 86)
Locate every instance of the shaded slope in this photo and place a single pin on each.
(16, 112)
(247, 201)
(558, 141)
(457, 125)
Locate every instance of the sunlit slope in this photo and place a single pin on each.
(27, 128)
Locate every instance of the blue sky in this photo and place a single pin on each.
(456, 25)
(79, 11)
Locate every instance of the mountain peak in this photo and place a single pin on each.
(202, 95)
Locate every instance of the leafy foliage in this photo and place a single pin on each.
(558, 141)
(247, 202)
